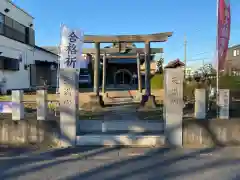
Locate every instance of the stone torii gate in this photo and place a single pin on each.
(148, 99)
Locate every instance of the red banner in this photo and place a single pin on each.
(224, 22)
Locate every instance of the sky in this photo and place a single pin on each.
(195, 19)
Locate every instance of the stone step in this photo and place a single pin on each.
(130, 140)
(120, 94)
(119, 132)
(119, 100)
(135, 126)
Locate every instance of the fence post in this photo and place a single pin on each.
(200, 104)
(17, 105)
(41, 104)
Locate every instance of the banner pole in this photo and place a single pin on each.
(217, 58)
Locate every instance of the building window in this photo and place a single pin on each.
(20, 32)
(1, 23)
(13, 29)
(10, 64)
(236, 52)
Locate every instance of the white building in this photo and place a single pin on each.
(22, 64)
(189, 72)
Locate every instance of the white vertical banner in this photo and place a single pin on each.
(72, 41)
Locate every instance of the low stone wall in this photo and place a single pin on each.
(29, 132)
(204, 133)
(196, 133)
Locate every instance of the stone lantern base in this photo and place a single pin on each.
(96, 103)
(148, 102)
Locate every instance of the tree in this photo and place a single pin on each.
(205, 73)
(207, 70)
(159, 65)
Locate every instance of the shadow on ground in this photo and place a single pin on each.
(156, 163)
(162, 163)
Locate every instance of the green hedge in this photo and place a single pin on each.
(157, 81)
(227, 82)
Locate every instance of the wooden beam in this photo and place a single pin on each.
(116, 50)
(121, 57)
(157, 37)
(108, 50)
(125, 57)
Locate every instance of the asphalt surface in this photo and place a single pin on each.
(124, 164)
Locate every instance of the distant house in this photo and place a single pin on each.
(23, 64)
(232, 65)
(189, 72)
(153, 67)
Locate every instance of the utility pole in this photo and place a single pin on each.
(185, 54)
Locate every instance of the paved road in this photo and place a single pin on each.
(125, 164)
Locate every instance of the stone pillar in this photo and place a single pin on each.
(148, 101)
(147, 69)
(69, 90)
(224, 95)
(96, 69)
(96, 100)
(42, 104)
(104, 75)
(139, 74)
(173, 105)
(17, 105)
(200, 104)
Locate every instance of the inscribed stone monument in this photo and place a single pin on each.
(224, 103)
(68, 105)
(173, 105)
(200, 104)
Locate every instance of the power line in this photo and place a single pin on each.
(185, 52)
(190, 60)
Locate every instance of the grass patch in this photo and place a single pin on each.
(85, 115)
(50, 97)
(146, 115)
(157, 81)
(156, 114)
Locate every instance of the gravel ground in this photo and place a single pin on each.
(123, 164)
(122, 111)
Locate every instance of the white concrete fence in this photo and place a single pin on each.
(16, 106)
(173, 117)
(200, 107)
